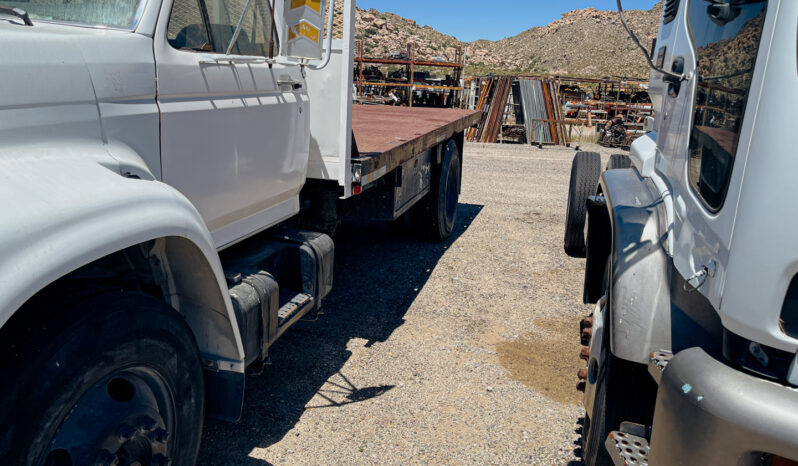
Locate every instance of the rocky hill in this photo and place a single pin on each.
(585, 42)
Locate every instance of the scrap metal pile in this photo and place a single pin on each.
(541, 113)
(405, 79)
(557, 110)
(493, 103)
(520, 109)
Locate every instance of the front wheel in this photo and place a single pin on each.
(624, 392)
(113, 379)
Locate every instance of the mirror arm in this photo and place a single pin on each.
(238, 28)
(680, 77)
(328, 39)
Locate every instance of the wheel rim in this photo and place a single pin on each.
(126, 418)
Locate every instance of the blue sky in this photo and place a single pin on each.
(469, 20)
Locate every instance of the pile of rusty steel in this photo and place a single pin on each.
(519, 106)
(493, 103)
(558, 110)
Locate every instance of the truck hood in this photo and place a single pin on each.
(62, 83)
(46, 90)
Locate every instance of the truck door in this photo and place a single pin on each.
(704, 134)
(234, 126)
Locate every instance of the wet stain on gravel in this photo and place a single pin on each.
(546, 360)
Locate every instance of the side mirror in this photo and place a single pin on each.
(723, 13)
(304, 28)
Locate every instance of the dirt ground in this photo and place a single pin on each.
(461, 352)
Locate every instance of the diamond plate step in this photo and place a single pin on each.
(298, 302)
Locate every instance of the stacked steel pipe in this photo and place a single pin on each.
(539, 113)
(493, 103)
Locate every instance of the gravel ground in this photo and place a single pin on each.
(456, 353)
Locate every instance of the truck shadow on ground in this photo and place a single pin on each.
(378, 274)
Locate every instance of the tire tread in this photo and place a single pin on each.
(585, 173)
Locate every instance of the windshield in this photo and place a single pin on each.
(123, 14)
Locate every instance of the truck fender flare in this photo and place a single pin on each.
(639, 317)
(66, 212)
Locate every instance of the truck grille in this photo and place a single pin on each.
(669, 11)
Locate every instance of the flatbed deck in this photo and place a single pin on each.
(386, 137)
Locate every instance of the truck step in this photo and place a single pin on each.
(657, 363)
(628, 446)
(295, 303)
(275, 278)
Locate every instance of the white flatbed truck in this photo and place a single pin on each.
(167, 171)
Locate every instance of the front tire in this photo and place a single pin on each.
(116, 377)
(624, 392)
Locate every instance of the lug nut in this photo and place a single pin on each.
(159, 435)
(126, 432)
(587, 334)
(147, 423)
(587, 322)
(584, 353)
(582, 373)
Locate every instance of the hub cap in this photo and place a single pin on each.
(124, 419)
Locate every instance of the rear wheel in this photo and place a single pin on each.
(114, 379)
(437, 212)
(585, 172)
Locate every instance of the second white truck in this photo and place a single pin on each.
(691, 260)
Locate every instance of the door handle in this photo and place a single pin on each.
(217, 59)
(295, 85)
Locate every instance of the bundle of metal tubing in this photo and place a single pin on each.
(542, 115)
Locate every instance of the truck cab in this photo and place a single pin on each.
(218, 112)
(691, 352)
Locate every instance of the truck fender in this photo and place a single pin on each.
(639, 318)
(67, 207)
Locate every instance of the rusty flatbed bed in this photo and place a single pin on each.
(386, 137)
